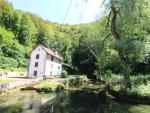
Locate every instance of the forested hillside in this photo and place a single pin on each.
(88, 47)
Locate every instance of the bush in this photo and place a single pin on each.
(64, 74)
(140, 79)
(78, 81)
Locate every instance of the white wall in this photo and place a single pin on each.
(52, 66)
(41, 62)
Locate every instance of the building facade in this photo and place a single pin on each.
(44, 62)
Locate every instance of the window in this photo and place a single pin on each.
(51, 73)
(35, 73)
(52, 58)
(36, 64)
(37, 56)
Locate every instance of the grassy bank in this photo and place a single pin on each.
(57, 84)
(140, 87)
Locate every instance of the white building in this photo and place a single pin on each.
(44, 62)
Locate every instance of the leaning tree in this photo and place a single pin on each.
(128, 24)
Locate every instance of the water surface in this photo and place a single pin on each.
(65, 102)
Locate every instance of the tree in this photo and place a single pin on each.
(127, 14)
(27, 31)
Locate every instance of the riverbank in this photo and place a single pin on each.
(57, 84)
(14, 84)
(139, 93)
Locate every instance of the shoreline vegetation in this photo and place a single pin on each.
(139, 93)
(58, 84)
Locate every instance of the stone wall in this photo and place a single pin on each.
(18, 83)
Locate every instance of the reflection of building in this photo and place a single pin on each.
(44, 62)
(51, 109)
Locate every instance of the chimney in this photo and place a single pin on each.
(56, 52)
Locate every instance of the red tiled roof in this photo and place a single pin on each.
(49, 52)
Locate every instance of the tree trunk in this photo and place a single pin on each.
(122, 56)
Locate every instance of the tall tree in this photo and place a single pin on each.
(124, 20)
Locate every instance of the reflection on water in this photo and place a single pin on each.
(88, 102)
(23, 102)
(65, 102)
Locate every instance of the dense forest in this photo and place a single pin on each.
(88, 48)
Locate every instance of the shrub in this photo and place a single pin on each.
(78, 81)
(140, 79)
(60, 87)
(64, 74)
(108, 73)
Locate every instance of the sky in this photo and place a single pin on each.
(55, 10)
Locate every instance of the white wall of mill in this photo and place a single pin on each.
(41, 62)
(51, 67)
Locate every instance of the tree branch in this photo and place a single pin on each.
(93, 53)
(103, 3)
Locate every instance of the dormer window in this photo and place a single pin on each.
(37, 56)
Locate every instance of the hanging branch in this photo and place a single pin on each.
(93, 53)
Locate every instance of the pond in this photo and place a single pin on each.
(65, 102)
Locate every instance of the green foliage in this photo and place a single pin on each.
(133, 29)
(8, 62)
(21, 31)
(48, 86)
(140, 79)
(77, 80)
(140, 92)
(11, 51)
(140, 86)
(45, 86)
(27, 31)
(63, 74)
(136, 80)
